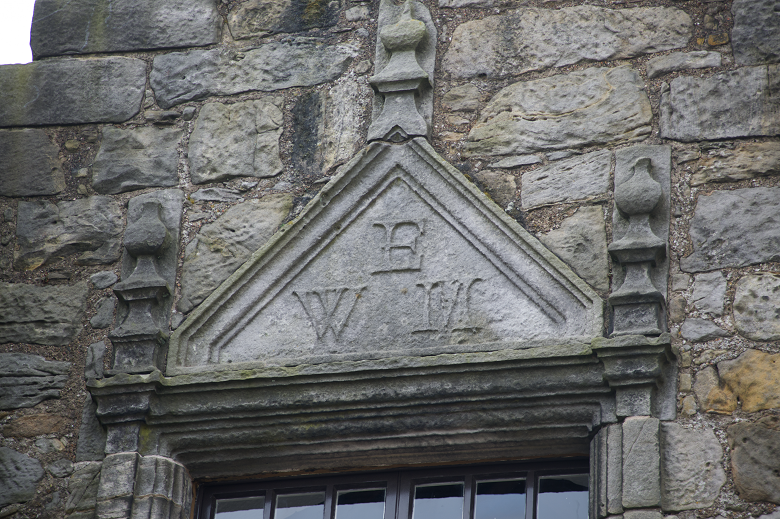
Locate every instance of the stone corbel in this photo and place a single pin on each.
(405, 58)
(148, 276)
(642, 370)
(640, 232)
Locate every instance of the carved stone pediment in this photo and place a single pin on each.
(398, 255)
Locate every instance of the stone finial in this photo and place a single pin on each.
(403, 85)
(148, 273)
(638, 304)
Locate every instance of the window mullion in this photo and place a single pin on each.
(530, 495)
(468, 496)
(330, 508)
(269, 503)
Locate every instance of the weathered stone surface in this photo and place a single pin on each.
(83, 487)
(104, 313)
(712, 397)
(592, 106)
(738, 103)
(221, 247)
(47, 232)
(260, 17)
(755, 456)
(33, 425)
(41, 315)
(734, 229)
(748, 160)
(103, 279)
(518, 160)
(681, 61)
(701, 330)
(534, 39)
(501, 186)
(464, 98)
(757, 307)
(754, 378)
(581, 242)
(639, 514)
(709, 292)
(343, 107)
(183, 76)
(60, 468)
(93, 364)
(135, 159)
(71, 91)
(19, 476)
(29, 164)
(577, 178)
(690, 467)
(88, 26)
(307, 123)
(92, 436)
(641, 462)
(755, 37)
(238, 140)
(26, 380)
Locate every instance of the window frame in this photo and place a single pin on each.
(399, 485)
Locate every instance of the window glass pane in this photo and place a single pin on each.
(438, 501)
(563, 497)
(500, 499)
(361, 504)
(240, 508)
(300, 506)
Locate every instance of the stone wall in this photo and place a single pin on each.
(232, 116)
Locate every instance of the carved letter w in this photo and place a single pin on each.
(329, 308)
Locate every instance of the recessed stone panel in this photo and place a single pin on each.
(396, 256)
(755, 37)
(41, 315)
(89, 26)
(591, 106)
(71, 91)
(29, 164)
(534, 39)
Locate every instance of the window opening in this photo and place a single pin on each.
(527, 491)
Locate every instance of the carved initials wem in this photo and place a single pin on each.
(329, 308)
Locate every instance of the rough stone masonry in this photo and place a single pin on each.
(236, 115)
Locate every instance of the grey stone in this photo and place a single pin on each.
(464, 98)
(757, 307)
(29, 164)
(709, 292)
(706, 381)
(238, 140)
(747, 160)
(89, 26)
(691, 468)
(343, 109)
(529, 39)
(641, 514)
(519, 160)
(755, 457)
(83, 487)
(118, 475)
(135, 159)
(591, 106)
(701, 330)
(680, 281)
(676, 307)
(90, 226)
(221, 247)
(103, 279)
(32, 425)
(41, 315)
(307, 124)
(26, 380)
(48, 445)
(184, 76)
(93, 364)
(773, 515)
(755, 37)
(91, 444)
(558, 155)
(19, 476)
(501, 186)
(579, 178)
(188, 113)
(734, 229)
(581, 242)
(641, 462)
(71, 91)
(104, 313)
(216, 194)
(737, 103)
(260, 17)
(357, 13)
(60, 468)
(682, 61)
(161, 117)
(385, 253)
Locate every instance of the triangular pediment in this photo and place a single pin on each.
(399, 255)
